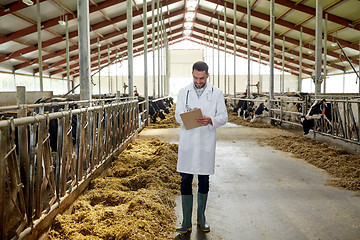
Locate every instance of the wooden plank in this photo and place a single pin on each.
(94, 118)
(122, 123)
(70, 167)
(77, 148)
(59, 140)
(49, 178)
(23, 147)
(41, 226)
(4, 135)
(39, 174)
(32, 147)
(100, 135)
(64, 155)
(87, 164)
(116, 126)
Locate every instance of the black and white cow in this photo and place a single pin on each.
(319, 110)
(162, 106)
(259, 111)
(53, 123)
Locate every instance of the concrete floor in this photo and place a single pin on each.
(261, 193)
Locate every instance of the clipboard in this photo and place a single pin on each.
(189, 118)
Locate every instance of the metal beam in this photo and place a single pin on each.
(130, 53)
(84, 49)
(271, 54)
(318, 47)
(277, 36)
(284, 23)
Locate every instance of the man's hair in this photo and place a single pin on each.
(200, 66)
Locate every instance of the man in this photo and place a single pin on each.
(197, 145)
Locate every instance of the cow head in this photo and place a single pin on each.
(307, 124)
(319, 110)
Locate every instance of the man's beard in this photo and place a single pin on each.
(203, 85)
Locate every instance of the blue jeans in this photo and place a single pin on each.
(186, 184)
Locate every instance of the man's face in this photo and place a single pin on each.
(199, 78)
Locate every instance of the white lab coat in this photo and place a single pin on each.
(197, 146)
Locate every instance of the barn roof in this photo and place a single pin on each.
(195, 20)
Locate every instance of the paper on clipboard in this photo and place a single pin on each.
(189, 118)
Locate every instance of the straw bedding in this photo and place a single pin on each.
(134, 201)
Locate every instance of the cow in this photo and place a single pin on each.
(162, 106)
(53, 123)
(319, 110)
(169, 102)
(157, 111)
(259, 111)
(247, 109)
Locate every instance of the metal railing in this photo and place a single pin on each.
(38, 182)
(345, 114)
(34, 181)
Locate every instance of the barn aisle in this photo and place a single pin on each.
(261, 193)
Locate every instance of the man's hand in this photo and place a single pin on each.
(204, 121)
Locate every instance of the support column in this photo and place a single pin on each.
(271, 57)
(14, 78)
(325, 52)
(225, 43)
(218, 29)
(213, 54)
(300, 60)
(84, 49)
(167, 67)
(282, 84)
(153, 44)
(235, 46)
(248, 45)
(67, 54)
(146, 90)
(158, 45)
(98, 45)
(116, 72)
(108, 67)
(129, 35)
(38, 20)
(260, 77)
(318, 47)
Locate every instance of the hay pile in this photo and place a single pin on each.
(168, 122)
(134, 201)
(344, 167)
(239, 120)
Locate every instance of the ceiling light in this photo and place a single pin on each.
(309, 52)
(188, 25)
(61, 22)
(28, 2)
(333, 44)
(191, 5)
(292, 57)
(189, 16)
(187, 32)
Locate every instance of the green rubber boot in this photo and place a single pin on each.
(201, 221)
(187, 205)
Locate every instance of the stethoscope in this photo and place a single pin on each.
(187, 99)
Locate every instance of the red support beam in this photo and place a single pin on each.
(266, 32)
(13, 7)
(102, 48)
(309, 10)
(75, 34)
(245, 52)
(283, 23)
(117, 43)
